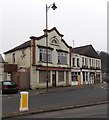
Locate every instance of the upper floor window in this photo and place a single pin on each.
(78, 63)
(73, 62)
(97, 63)
(13, 57)
(86, 62)
(45, 55)
(90, 62)
(82, 60)
(62, 58)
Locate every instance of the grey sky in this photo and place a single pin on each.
(84, 21)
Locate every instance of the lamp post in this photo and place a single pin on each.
(53, 6)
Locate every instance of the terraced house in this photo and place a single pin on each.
(86, 66)
(63, 64)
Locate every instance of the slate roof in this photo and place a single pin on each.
(87, 50)
(1, 59)
(22, 46)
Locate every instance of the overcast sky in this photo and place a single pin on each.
(84, 21)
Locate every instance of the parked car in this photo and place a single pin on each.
(8, 87)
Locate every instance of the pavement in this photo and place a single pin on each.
(56, 89)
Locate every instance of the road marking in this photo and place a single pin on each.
(9, 97)
(104, 87)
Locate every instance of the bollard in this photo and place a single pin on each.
(24, 101)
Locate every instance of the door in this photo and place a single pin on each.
(79, 80)
(54, 78)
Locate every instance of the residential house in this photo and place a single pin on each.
(86, 65)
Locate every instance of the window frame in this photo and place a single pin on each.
(62, 58)
(44, 53)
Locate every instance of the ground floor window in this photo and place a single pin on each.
(92, 77)
(97, 77)
(75, 76)
(85, 76)
(43, 76)
(60, 76)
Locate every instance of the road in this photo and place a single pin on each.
(10, 103)
(97, 111)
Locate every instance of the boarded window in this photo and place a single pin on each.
(60, 76)
(43, 76)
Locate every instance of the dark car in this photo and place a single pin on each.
(9, 87)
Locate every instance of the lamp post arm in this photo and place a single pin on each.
(48, 7)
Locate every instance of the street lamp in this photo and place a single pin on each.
(53, 6)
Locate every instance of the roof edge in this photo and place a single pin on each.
(54, 28)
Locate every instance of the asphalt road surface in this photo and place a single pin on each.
(10, 103)
(97, 111)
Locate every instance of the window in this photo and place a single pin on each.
(78, 64)
(13, 57)
(86, 76)
(82, 60)
(43, 55)
(62, 58)
(83, 76)
(86, 62)
(90, 62)
(74, 76)
(60, 76)
(96, 63)
(43, 76)
(40, 55)
(73, 62)
(49, 56)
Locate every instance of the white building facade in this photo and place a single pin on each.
(62, 67)
(86, 68)
(58, 66)
(32, 56)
